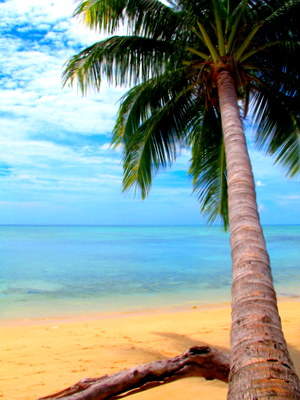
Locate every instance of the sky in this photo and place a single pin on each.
(56, 163)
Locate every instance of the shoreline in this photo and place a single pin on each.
(60, 309)
(43, 356)
(103, 315)
(108, 315)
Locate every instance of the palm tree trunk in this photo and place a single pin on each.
(260, 367)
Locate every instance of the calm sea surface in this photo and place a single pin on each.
(63, 270)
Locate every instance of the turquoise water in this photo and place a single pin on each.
(62, 270)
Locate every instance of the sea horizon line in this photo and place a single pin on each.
(131, 225)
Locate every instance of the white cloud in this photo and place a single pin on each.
(41, 154)
(105, 146)
(260, 183)
(289, 197)
(32, 68)
(21, 203)
(38, 117)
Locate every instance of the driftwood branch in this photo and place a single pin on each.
(203, 361)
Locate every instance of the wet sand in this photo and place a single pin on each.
(39, 357)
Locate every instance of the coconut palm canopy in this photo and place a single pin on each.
(171, 55)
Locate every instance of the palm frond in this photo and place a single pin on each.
(123, 60)
(280, 65)
(275, 101)
(138, 104)
(277, 122)
(233, 21)
(220, 31)
(208, 166)
(280, 9)
(152, 125)
(149, 18)
(280, 21)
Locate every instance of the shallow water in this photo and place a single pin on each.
(62, 270)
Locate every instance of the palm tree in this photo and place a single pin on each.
(196, 67)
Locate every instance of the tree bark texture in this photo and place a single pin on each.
(260, 367)
(203, 361)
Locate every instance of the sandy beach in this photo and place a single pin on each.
(39, 357)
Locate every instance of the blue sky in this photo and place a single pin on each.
(56, 165)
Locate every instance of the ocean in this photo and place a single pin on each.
(48, 271)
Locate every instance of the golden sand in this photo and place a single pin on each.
(39, 357)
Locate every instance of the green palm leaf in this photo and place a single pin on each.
(208, 166)
(152, 126)
(150, 18)
(278, 136)
(122, 60)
